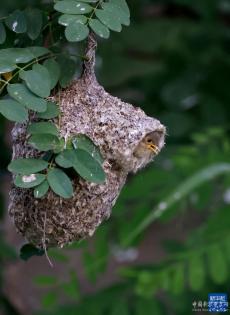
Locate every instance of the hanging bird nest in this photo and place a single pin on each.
(117, 128)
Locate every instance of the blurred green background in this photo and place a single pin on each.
(167, 244)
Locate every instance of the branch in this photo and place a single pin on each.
(89, 63)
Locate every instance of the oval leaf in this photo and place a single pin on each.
(34, 22)
(38, 84)
(22, 55)
(41, 190)
(44, 142)
(65, 159)
(217, 265)
(196, 272)
(66, 19)
(109, 19)
(88, 167)
(29, 181)
(122, 5)
(21, 94)
(52, 111)
(42, 127)
(27, 166)
(68, 69)
(117, 12)
(178, 277)
(60, 183)
(6, 66)
(85, 143)
(54, 71)
(99, 28)
(76, 32)
(16, 22)
(13, 110)
(72, 7)
(16, 55)
(37, 51)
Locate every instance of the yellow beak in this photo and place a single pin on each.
(154, 148)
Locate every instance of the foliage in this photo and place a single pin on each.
(173, 61)
(30, 74)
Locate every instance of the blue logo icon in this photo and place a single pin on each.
(217, 302)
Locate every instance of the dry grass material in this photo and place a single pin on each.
(117, 128)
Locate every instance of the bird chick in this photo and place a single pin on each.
(148, 147)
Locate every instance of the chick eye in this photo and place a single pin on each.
(149, 140)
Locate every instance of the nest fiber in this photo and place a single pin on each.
(117, 128)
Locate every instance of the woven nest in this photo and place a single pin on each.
(117, 128)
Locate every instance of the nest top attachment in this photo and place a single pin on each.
(128, 140)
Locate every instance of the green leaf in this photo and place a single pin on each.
(21, 94)
(120, 308)
(66, 19)
(122, 5)
(37, 51)
(72, 7)
(117, 12)
(88, 167)
(29, 250)
(2, 33)
(41, 190)
(54, 71)
(71, 288)
(196, 272)
(52, 111)
(27, 166)
(83, 163)
(6, 66)
(13, 110)
(99, 28)
(45, 280)
(43, 71)
(34, 22)
(60, 183)
(16, 22)
(85, 143)
(44, 142)
(76, 32)
(21, 55)
(49, 300)
(38, 82)
(178, 279)
(217, 264)
(29, 181)
(68, 69)
(147, 306)
(65, 159)
(109, 19)
(42, 127)
(16, 55)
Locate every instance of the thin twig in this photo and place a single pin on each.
(44, 242)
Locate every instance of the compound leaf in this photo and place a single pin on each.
(20, 93)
